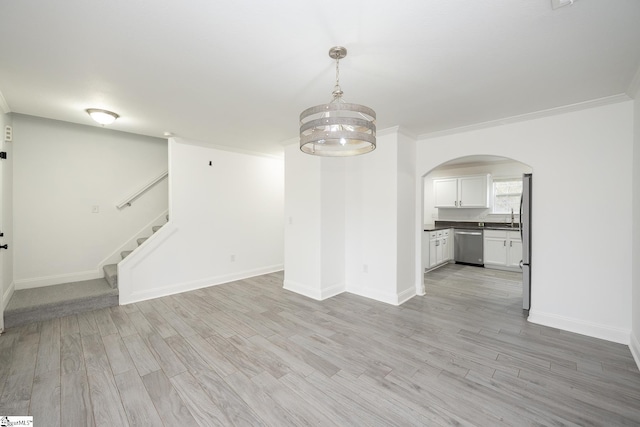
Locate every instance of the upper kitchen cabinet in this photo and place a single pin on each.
(446, 192)
(462, 192)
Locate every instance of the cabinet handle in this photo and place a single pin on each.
(460, 203)
(504, 243)
(455, 203)
(510, 244)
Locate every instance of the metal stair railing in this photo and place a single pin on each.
(149, 186)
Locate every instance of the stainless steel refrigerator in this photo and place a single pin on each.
(525, 234)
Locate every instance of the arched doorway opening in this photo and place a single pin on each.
(471, 227)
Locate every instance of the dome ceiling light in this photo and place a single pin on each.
(104, 117)
(338, 128)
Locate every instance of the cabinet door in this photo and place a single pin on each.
(425, 249)
(444, 242)
(515, 251)
(451, 244)
(472, 192)
(432, 252)
(445, 192)
(439, 248)
(495, 250)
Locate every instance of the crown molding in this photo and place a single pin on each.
(4, 107)
(614, 99)
(227, 148)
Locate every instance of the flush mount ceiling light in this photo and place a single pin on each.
(338, 128)
(104, 117)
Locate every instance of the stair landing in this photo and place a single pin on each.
(49, 302)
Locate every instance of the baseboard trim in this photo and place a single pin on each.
(388, 298)
(314, 293)
(406, 295)
(7, 295)
(582, 327)
(634, 346)
(39, 282)
(195, 284)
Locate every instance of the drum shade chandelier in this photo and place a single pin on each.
(338, 128)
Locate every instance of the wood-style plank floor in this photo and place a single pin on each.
(250, 353)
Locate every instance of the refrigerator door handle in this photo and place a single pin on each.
(520, 217)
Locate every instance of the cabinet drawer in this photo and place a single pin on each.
(432, 234)
(445, 233)
(439, 233)
(500, 234)
(514, 235)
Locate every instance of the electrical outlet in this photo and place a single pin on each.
(95, 209)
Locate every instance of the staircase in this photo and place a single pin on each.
(111, 270)
(50, 302)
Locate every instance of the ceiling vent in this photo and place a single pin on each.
(559, 3)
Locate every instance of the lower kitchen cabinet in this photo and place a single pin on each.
(502, 249)
(436, 248)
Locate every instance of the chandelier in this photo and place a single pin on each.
(338, 128)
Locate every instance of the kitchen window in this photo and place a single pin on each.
(506, 194)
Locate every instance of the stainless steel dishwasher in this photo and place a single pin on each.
(469, 247)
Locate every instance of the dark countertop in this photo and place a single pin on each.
(443, 225)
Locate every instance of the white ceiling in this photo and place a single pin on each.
(238, 73)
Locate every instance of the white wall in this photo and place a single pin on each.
(6, 216)
(635, 234)
(61, 170)
(582, 166)
(359, 211)
(406, 217)
(504, 169)
(308, 246)
(372, 221)
(233, 207)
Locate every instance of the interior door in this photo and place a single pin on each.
(2, 251)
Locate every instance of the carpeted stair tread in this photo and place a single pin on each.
(111, 275)
(125, 254)
(50, 302)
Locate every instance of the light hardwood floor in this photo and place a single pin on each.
(250, 353)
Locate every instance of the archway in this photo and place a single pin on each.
(502, 181)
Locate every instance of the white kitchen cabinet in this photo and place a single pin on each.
(502, 249)
(436, 249)
(515, 250)
(462, 192)
(425, 249)
(447, 246)
(434, 246)
(445, 192)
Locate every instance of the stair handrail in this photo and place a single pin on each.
(134, 196)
